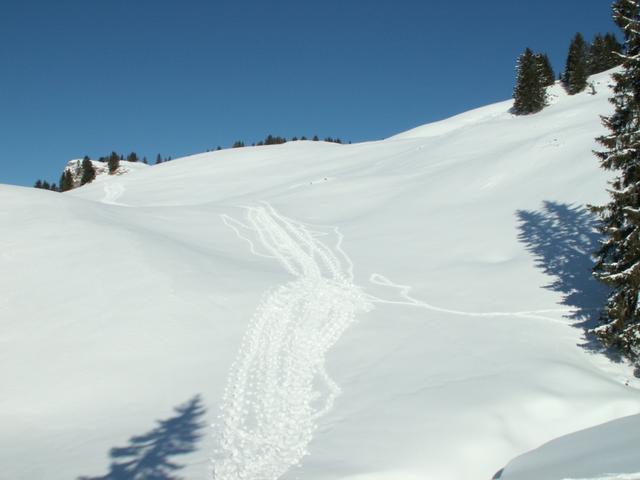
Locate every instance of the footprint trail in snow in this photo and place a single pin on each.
(278, 386)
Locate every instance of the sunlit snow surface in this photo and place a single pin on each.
(404, 309)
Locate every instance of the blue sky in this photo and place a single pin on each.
(180, 77)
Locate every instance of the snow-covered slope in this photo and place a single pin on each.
(605, 452)
(401, 309)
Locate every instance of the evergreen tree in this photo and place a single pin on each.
(158, 159)
(529, 94)
(316, 138)
(597, 55)
(576, 71)
(38, 184)
(66, 181)
(604, 53)
(88, 172)
(545, 69)
(113, 163)
(132, 157)
(618, 259)
(144, 160)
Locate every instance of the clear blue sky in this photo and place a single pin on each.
(179, 77)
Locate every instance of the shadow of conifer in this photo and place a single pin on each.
(563, 239)
(150, 456)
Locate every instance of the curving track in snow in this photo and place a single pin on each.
(278, 386)
(112, 192)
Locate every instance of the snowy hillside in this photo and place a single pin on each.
(402, 309)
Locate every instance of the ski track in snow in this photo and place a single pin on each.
(112, 192)
(381, 280)
(278, 386)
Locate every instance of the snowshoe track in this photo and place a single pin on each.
(278, 386)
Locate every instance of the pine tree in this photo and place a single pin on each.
(132, 157)
(597, 55)
(38, 184)
(613, 49)
(546, 70)
(604, 53)
(529, 94)
(113, 163)
(66, 181)
(576, 70)
(88, 172)
(618, 259)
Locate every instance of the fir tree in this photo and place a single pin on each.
(88, 172)
(613, 49)
(529, 94)
(113, 163)
(38, 184)
(158, 159)
(604, 53)
(576, 70)
(66, 181)
(132, 157)
(545, 69)
(618, 259)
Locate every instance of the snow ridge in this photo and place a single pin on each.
(278, 386)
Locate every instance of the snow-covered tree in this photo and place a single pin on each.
(618, 260)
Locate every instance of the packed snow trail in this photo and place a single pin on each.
(278, 386)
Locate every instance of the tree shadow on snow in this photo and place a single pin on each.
(563, 239)
(149, 456)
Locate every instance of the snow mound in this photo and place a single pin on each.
(608, 451)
